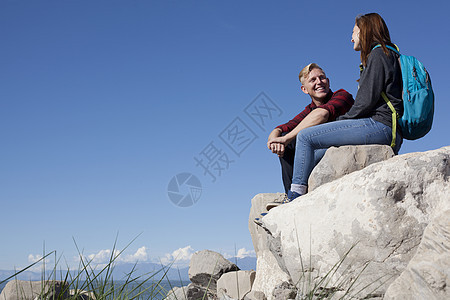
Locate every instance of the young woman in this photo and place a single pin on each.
(369, 120)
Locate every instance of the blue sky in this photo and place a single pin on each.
(104, 102)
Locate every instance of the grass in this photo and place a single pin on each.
(97, 283)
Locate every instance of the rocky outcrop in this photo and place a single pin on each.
(340, 161)
(215, 277)
(427, 275)
(206, 267)
(353, 235)
(365, 226)
(30, 290)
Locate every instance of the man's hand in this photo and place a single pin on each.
(274, 134)
(277, 145)
(277, 148)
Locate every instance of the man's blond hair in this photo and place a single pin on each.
(306, 70)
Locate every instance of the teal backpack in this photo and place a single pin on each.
(418, 99)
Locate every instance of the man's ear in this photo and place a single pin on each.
(304, 89)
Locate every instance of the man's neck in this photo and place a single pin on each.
(318, 102)
(321, 101)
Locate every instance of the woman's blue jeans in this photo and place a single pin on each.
(339, 133)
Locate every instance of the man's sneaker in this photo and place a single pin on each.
(258, 221)
(290, 196)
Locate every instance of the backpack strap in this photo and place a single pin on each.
(389, 104)
(396, 49)
(394, 118)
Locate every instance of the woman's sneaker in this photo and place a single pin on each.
(258, 221)
(290, 196)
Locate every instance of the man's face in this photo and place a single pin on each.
(316, 84)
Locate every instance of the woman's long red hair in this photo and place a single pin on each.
(373, 31)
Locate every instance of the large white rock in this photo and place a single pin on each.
(29, 290)
(381, 211)
(340, 161)
(428, 273)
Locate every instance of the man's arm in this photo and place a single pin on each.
(316, 117)
(278, 148)
(339, 104)
(274, 134)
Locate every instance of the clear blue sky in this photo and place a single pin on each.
(103, 102)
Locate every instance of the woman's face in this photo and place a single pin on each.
(355, 39)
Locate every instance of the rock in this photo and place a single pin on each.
(255, 295)
(30, 290)
(206, 267)
(224, 296)
(284, 291)
(379, 212)
(177, 293)
(427, 275)
(189, 292)
(195, 292)
(340, 161)
(81, 295)
(236, 284)
(268, 272)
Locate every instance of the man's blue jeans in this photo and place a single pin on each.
(339, 133)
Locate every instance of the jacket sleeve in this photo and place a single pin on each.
(287, 127)
(339, 104)
(371, 84)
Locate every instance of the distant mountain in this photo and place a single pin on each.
(26, 275)
(143, 270)
(120, 271)
(147, 269)
(173, 273)
(246, 263)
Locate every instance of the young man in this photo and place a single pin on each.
(325, 106)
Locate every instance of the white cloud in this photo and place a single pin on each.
(48, 262)
(179, 256)
(245, 253)
(140, 255)
(241, 253)
(183, 253)
(32, 258)
(103, 256)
